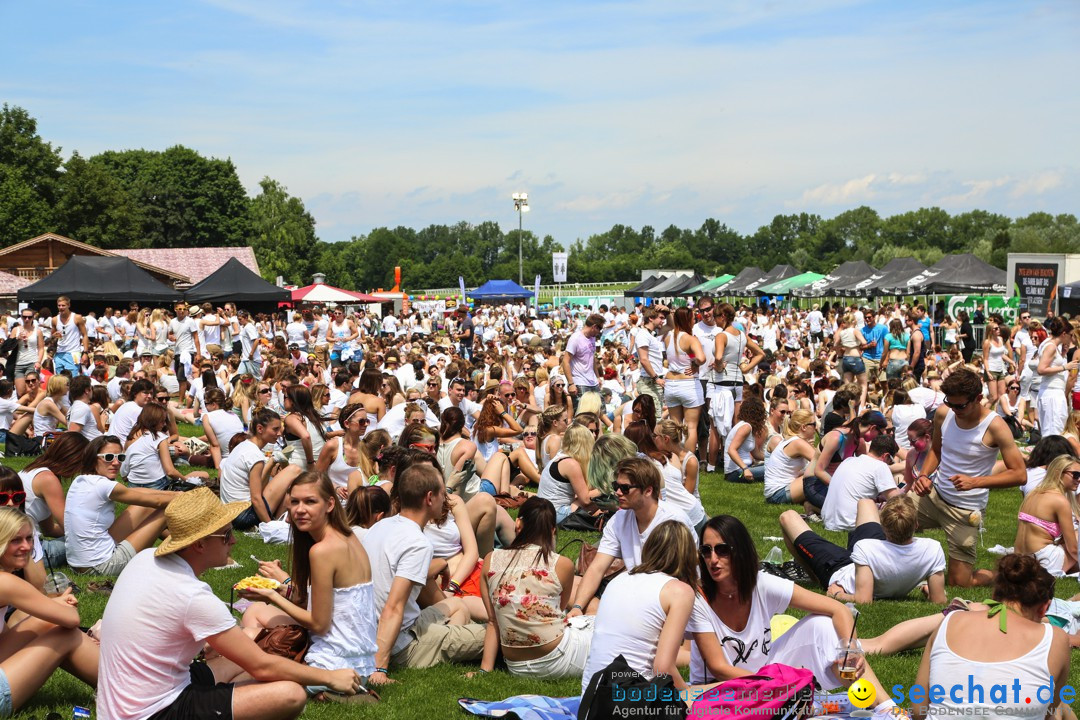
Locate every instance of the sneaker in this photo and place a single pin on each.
(796, 573)
(811, 517)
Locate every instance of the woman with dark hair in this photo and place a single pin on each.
(392, 393)
(220, 424)
(682, 390)
(91, 524)
(45, 501)
(1042, 454)
(550, 426)
(744, 446)
(730, 362)
(368, 504)
(643, 408)
(252, 474)
(368, 393)
(342, 458)
(1051, 403)
(303, 428)
(329, 591)
(557, 396)
(919, 435)
(1008, 644)
(743, 600)
(148, 463)
(644, 614)
(526, 589)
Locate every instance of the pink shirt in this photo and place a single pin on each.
(582, 351)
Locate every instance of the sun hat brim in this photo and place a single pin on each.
(222, 515)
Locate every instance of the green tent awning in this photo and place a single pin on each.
(708, 285)
(786, 286)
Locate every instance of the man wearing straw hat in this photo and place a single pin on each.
(159, 618)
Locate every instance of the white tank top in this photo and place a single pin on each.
(559, 492)
(36, 507)
(446, 540)
(675, 493)
(677, 360)
(744, 450)
(996, 361)
(1055, 382)
(963, 453)
(780, 469)
(43, 423)
(733, 352)
(70, 337)
(1031, 670)
(339, 471)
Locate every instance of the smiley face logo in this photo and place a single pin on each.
(861, 694)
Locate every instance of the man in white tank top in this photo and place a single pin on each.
(953, 490)
(71, 331)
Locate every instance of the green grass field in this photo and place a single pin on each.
(433, 692)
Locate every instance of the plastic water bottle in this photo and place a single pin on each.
(775, 556)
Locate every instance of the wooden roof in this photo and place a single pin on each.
(84, 249)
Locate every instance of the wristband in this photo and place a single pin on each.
(453, 587)
(384, 671)
(576, 607)
(286, 581)
(481, 670)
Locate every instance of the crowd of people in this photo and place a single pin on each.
(424, 463)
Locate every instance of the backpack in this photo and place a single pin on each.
(776, 691)
(620, 691)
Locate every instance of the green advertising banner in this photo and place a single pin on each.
(990, 304)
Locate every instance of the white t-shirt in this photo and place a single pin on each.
(1035, 476)
(225, 425)
(621, 538)
(855, 478)
(88, 514)
(236, 471)
(397, 547)
(249, 343)
(124, 419)
(897, 569)
(814, 319)
(81, 413)
(467, 406)
(645, 339)
(151, 631)
(7, 411)
(143, 463)
(294, 334)
(184, 332)
(113, 386)
(706, 333)
(749, 647)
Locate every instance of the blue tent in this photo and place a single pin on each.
(500, 290)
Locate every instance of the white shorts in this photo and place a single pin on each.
(1053, 412)
(683, 393)
(565, 661)
(1027, 386)
(810, 643)
(1052, 558)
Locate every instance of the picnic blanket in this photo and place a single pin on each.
(524, 707)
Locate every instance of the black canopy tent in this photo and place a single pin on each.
(895, 271)
(848, 273)
(649, 282)
(673, 286)
(1068, 299)
(778, 273)
(953, 275)
(742, 279)
(96, 281)
(235, 282)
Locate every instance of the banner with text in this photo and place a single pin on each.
(1036, 285)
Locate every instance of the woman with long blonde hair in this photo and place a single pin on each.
(786, 466)
(550, 426)
(1045, 527)
(48, 414)
(158, 333)
(564, 481)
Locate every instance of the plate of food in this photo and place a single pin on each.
(257, 581)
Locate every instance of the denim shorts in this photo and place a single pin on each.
(781, 496)
(853, 365)
(6, 708)
(562, 512)
(161, 483)
(488, 487)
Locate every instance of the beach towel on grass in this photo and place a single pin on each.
(524, 707)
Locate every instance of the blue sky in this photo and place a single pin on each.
(634, 112)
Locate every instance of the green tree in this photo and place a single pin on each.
(283, 234)
(93, 207)
(29, 177)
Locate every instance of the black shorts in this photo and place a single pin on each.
(817, 336)
(825, 558)
(203, 698)
(178, 367)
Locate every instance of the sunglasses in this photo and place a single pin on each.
(16, 497)
(528, 434)
(163, 398)
(958, 406)
(622, 488)
(706, 309)
(225, 536)
(784, 412)
(426, 447)
(1014, 387)
(27, 317)
(265, 391)
(109, 457)
(1074, 474)
(719, 549)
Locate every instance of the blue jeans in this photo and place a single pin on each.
(757, 474)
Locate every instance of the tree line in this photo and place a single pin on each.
(179, 198)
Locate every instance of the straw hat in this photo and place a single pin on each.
(193, 516)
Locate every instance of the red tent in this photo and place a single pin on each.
(322, 293)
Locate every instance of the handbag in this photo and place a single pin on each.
(585, 557)
(287, 641)
(620, 691)
(585, 521)
(774, 691)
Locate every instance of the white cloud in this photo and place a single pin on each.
(1037, 184)
(856, 190)
(978, 190)
(901, 179)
